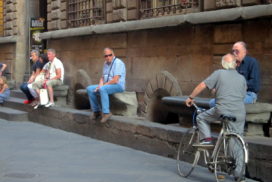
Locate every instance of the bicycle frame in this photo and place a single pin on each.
(225, 131)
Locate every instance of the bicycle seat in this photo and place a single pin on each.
(228, 117)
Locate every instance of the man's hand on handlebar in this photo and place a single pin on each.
(189, 101)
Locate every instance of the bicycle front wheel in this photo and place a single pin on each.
(188, 153)
(230, 159)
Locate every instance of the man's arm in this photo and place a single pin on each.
(4, 66)
(199, 88)
(58, 75)
(114, 80)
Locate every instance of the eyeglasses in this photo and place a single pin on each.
(107, 55)
(235, 51)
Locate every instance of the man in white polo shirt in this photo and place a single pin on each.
(54, 75)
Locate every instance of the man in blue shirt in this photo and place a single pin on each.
(112, 81)
(249, 68)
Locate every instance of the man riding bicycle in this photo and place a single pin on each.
(230, 90)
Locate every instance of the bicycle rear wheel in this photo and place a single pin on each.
(230, 159)
(188, 153)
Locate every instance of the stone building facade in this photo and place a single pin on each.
(182, 37)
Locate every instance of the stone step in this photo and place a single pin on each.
(13, 114)
(17, 94)
(15, 103)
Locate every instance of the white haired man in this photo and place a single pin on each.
(230, 90)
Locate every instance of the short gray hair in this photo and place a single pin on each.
(107, 48)
(36, 52)
(52, 50)
(228, 64)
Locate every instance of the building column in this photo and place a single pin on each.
(21, 57)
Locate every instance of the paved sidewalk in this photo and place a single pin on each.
(31, 152)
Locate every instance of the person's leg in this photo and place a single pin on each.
(36, 86)
(50, 84)
(203, 121)
(25, 89)
(105, 91)
(93, 98)
(32, 91)
(212, 103)
(4, 96)
(250, 98)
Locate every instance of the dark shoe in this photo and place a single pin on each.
(96, 115)
(204, 144)
(105, 117)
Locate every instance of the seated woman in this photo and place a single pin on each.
(4, 89)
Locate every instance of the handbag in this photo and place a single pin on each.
(39, 77)
(44, 96)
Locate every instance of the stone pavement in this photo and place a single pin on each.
(32, 152)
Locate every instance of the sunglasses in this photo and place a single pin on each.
(235, 51)
(107, 55)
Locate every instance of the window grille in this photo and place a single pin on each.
(166, 7)
(85, 12)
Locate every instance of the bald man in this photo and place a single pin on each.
(230, 90)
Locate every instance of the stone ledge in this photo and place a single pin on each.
(61, 94)
(123, 104)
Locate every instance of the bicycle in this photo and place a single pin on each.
(229, 154)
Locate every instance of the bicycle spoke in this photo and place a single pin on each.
(188, 155)
(230, 159)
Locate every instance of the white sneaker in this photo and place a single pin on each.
(49, 104)
(36, 106)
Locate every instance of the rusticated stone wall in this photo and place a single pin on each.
(189, 52)
(56, 14)
(10, 18)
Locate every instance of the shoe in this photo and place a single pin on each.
(105, 117)
(243, 179)
(96, 115)
(204, 144)
(36, 106)
(28, 101)
(50, 104)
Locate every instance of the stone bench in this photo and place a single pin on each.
(123, 104)
(61, 94)
(257, 115)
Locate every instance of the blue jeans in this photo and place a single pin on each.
(250, 98)
(104, 93)
(4, 96)
(25, 89)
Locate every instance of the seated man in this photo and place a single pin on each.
(249, 68)
(54, 75)
(2, 68)
(36, 69)
(112, 81)
(230, 90)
